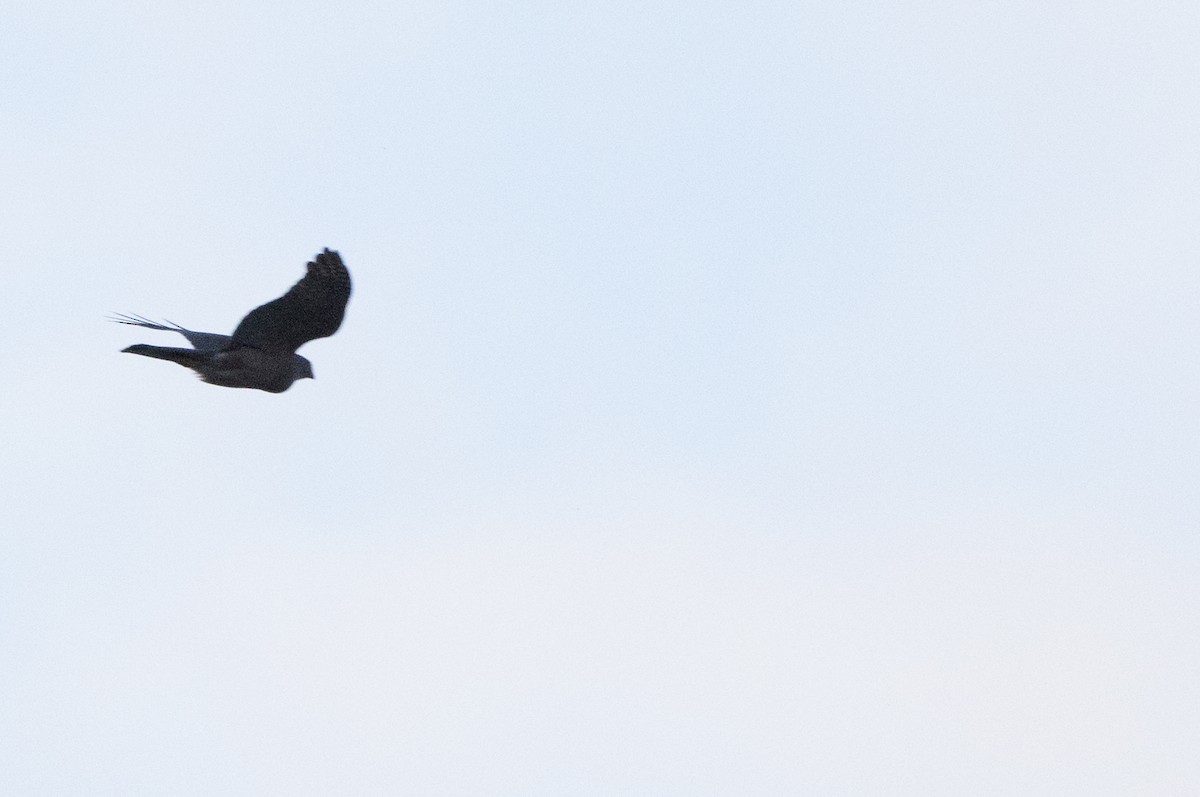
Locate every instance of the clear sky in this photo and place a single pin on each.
(735, 398)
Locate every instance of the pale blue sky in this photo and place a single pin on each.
(759, 398)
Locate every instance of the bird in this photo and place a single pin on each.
(261, 352)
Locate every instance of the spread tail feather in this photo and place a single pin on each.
(186, 357)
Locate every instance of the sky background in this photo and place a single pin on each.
(758, 398)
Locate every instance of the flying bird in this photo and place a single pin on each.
(261, 352)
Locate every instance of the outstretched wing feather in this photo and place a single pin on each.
(203, 341)
(312, 309)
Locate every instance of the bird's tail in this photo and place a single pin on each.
(186, 357)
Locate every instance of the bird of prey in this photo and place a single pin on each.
(261, 352)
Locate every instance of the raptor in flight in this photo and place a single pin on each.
(261, 352)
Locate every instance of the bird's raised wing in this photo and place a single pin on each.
(203, 341)
(312, 309)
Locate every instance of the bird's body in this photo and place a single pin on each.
(261, 352)
(240, 366)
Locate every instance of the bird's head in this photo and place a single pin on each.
(302, 368)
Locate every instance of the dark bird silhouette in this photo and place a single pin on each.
(261, 352)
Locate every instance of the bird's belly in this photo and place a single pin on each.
(250, 368)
